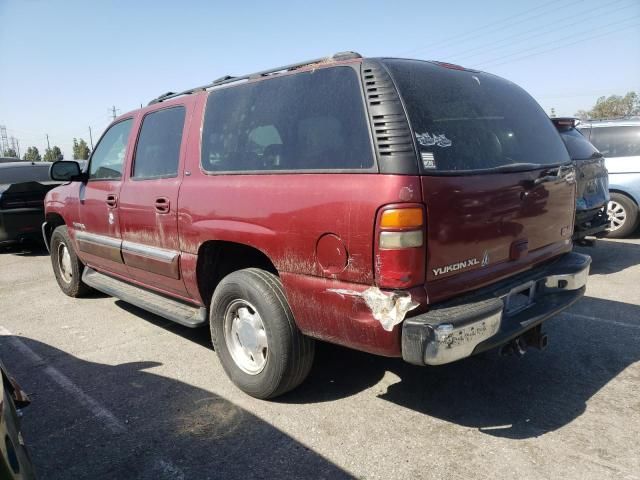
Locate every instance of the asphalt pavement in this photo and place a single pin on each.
(121, 393)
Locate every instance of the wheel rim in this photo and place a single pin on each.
(64, 263)
(617, 215)
(245, 337)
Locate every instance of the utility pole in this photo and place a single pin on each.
(4, 141)
(18, 147)
(48, 147)
(113, 111)
(91, 138)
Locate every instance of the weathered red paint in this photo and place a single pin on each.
(285, 215)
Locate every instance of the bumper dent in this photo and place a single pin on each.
(486, 319)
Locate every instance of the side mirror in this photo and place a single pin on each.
(65, 171)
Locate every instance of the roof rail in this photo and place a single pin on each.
(340, 56)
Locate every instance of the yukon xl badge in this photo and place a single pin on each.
(454, 267)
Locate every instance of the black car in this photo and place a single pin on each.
(592, 178)
(15, 462)
(23, 186)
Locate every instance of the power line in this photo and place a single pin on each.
(584, 39)
(508, 41)
(470, 35)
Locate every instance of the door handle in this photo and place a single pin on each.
(163, 205)
(112, 200)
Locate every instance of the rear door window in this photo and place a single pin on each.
(158, 150)
(473, 121)
(617, 141)
(305, 121)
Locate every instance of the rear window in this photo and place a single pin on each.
(617, 141)
(470, 121)
(307, 121)
(24, 173)
(578, 146)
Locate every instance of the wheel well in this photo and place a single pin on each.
(54, 220)
(620, 192)
(217, 259)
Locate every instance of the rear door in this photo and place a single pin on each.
(149, 201)
(497, 181)
(98, 232)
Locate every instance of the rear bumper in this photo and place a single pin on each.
(496, 314)
(20, 224)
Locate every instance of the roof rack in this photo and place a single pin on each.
(340, 56)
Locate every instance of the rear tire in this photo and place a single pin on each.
(67, 267)
(255, 335)
(623, 215)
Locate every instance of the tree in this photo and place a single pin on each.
(613, 106)
(10, 152)
(81, 150)
(52, 154)
(32, 155)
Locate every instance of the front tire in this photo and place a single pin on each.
(67, 267)
(623, 216)
(255, 335)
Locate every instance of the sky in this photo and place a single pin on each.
(64, 64)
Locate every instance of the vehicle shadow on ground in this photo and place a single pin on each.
(611, 256)
(26, 249)
(199, 335)
(124, 421)
(506, 397)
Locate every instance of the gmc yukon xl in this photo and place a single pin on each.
(404, 208)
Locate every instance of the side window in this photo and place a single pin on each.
(617, 141)
(306, 121)
(158, 150)
(108, 157)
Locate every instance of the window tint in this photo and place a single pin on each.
(586, 131)
(311, 120)
(616, 141)
(472, 121)
(158, 149)
(108, 157)
(24, 173)
(578, 146)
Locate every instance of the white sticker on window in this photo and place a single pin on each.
(427, 160)
(427, 140)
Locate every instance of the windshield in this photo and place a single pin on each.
(578, 146)
(471, 121)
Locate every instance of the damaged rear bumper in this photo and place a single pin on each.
(496, 314)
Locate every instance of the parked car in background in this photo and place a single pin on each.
(619, 142)
(405, 208)
(15, 462)
(592, 191)
(23, 186)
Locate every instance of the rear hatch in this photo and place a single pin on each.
(591, 173)
(497, 181)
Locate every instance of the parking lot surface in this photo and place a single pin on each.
(120, 393)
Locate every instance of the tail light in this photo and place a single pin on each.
(400, 248)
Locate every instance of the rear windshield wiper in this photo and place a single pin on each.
(515, 167)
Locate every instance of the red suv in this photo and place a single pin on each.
(405, 208)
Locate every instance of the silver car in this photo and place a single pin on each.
(619, 142)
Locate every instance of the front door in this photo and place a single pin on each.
(149, 202)
(98, 232)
